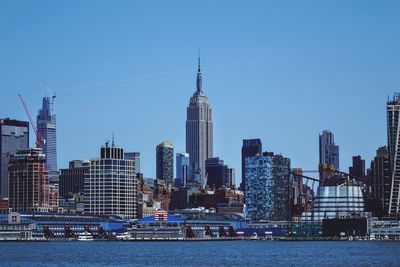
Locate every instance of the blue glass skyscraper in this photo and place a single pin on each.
(46, 127)
(182, 169)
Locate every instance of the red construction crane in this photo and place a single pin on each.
(39, 139)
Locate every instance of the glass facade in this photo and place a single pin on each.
(165, 162)
(267, 187)
(135, 156)
(332, 201)
(14, 137)
(46, 127)
(182, 169)
(250, 148)
(393, 125)
(217, 173)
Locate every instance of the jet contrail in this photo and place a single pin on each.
(146, 76)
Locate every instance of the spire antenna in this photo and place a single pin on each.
(112, 144)
(199, 88)
(199, 62)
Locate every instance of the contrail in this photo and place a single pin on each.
(114, 81)
(146, 76)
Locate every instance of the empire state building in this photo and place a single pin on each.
(199, 131)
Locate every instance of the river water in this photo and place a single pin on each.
(205, 253)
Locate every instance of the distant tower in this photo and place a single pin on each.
(358, 168)
(46, 127)
(393, 128)
(165, 162)
(199, 130)
(328, 153)
(182, 169)
(250, 148)
(217, 173)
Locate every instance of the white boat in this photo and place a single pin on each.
(85, 237)
(254, 236)
(372, 236)
(123, 236)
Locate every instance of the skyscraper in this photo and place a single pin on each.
(135, 156)
(231, 177)
(165, 162)
(199, 130)
(110, 185)
(393, 128)
(217, 173)
(328, 153)
(267, 187)
(14, 137)
(380, 180)
(358, 168)
(182, 169)
(250, 148)
(46, 127)
(29, 181)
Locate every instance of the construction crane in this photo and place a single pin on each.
(39, 138)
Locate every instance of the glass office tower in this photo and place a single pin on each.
(14, 137)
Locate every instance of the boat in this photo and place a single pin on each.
(85, 237)
(372, 236)
(123, 236)
(254, 236)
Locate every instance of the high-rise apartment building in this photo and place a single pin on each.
(267, 189)
(28, 181)
(250, 148)
(393, 129)
(199, 130)
(328, 154)
(111, 185)
(46, 128)
(14, 136)
(182, 169)
(380, 183)
(165, 162)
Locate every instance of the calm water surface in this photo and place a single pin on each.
(226, 253)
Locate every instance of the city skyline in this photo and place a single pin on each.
(272, 108)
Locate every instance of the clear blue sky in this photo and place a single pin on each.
(282, 71)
